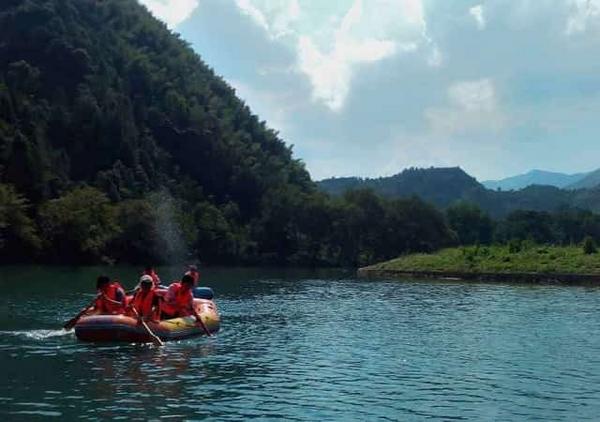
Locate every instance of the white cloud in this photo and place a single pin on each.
(333, 41)
(363, 36)
(582, 11)
(330, 73)
(478, 95)
(275, 16)
(172, 12)
(473, 108)
(248, 8)
(477, 13)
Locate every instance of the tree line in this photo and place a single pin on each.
(84, 226)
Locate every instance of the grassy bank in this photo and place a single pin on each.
(498, 259)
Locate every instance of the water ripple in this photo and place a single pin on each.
(309, 348)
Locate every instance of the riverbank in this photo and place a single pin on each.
(532, 264)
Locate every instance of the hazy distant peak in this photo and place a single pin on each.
(535, 177)
(590, 180)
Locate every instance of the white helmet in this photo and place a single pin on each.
(146, 279)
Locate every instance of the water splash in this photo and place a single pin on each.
(38, 334)
(167, 214)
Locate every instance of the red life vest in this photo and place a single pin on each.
(178, 301)
(112, 299)
(143, 301)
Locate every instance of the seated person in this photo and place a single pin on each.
(149, 270)
(145, 301)
(111, 297)
(179, 300)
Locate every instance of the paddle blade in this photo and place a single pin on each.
(71, 323)
(201, 323)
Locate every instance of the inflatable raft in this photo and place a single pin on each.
(123, 328)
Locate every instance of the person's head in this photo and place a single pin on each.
(102, 282)
(187, 281)
(146, 282)
(193, 272)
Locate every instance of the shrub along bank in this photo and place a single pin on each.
(525, 257)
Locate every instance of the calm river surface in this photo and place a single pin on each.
(302, 345)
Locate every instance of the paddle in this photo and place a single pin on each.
(155, 339)
(71, 323)
(199, 320)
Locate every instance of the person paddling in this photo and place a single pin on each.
(145, 302)
(179, 302)
(111, 296)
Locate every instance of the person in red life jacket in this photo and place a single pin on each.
(145, 301)
(194, 273)
(179, 300)
(111, 296)
(149, 270)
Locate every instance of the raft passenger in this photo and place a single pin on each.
(149, 270)
(194, 273)
(145, 301)
(179, 300)
(111, 296)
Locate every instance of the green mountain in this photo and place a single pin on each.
(119, 144)
(534, 177)
(440, 186)
(591, 180)
(100, 92)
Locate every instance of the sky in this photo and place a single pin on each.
(370, 87)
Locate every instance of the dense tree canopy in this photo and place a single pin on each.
(130, 148)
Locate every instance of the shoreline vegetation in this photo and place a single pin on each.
(516, 262)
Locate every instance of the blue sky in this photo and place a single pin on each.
(370, 87)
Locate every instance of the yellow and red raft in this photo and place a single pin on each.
(123, 328)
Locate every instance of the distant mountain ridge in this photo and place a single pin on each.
(443, 186)
(535, 177)
(591, 180)
(425, 183)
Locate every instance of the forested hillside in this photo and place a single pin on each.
(444, 186)
(117, 143)
(441, 186)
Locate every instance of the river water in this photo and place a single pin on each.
(313, 346)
